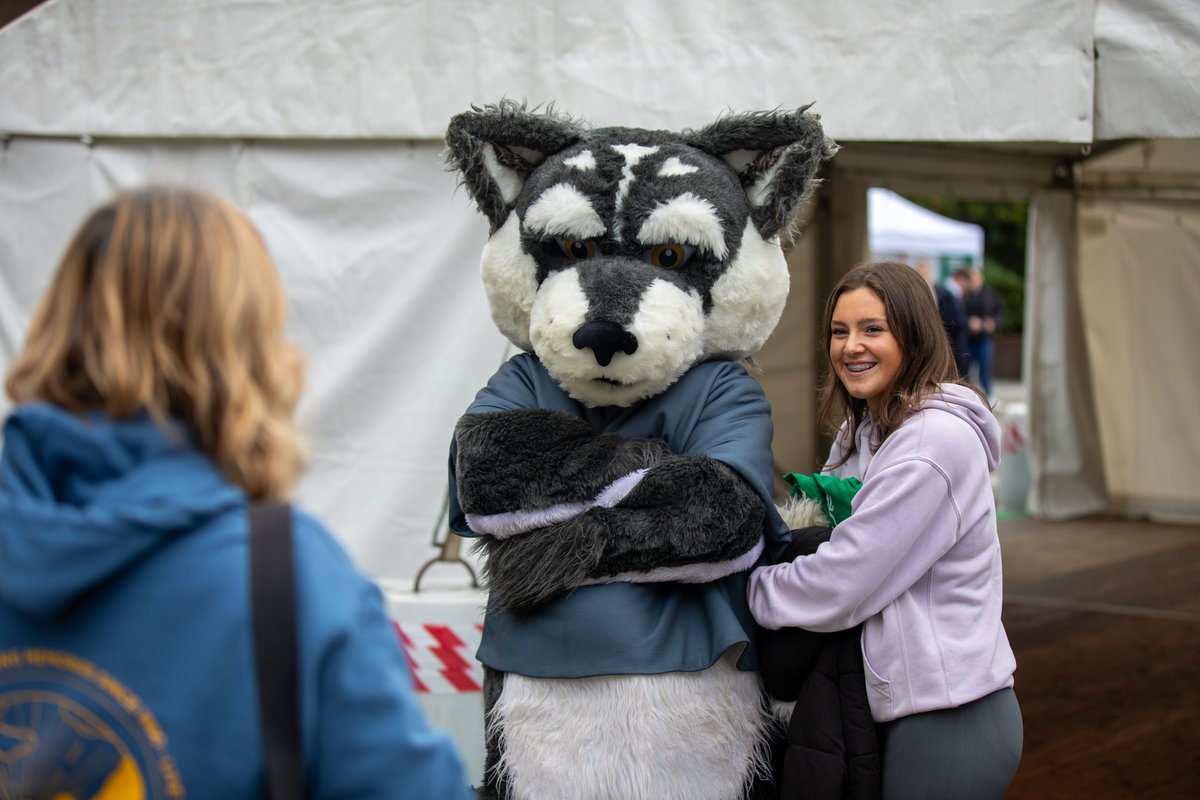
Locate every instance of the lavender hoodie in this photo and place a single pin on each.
(917, 561)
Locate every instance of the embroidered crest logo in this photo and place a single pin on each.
(68, 729)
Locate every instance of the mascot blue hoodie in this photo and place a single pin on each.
(126, 666)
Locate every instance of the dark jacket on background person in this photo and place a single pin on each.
(984, 303)
(953, 311)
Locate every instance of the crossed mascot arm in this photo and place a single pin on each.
(560, 506)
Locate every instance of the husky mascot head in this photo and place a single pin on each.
(621, 257)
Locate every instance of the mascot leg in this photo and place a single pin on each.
(493, 788)
(676, 736)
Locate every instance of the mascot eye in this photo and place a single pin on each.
(669, 256)
(577, 248)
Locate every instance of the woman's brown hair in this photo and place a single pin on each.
(913, 318)
(167, 302)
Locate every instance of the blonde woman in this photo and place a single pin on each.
(154, 399)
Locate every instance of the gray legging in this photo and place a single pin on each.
(965, 753)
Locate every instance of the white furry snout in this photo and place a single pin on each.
(668, 326)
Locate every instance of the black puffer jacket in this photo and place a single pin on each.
(832, 750)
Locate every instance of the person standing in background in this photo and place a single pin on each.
(953, 310)
(985, 312)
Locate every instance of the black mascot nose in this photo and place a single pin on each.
(605, 338)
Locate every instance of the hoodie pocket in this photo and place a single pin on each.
(879, 688)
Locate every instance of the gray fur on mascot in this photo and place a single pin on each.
(618, 472)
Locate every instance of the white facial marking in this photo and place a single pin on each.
(748, 299)
(686, 219)
(585, 161)
(510, 282)
(674, 168)
(632, 153)
(563, 211)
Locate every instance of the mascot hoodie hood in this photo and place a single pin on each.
(965, 404)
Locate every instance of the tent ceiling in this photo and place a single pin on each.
(958, 170)
(1021, 71)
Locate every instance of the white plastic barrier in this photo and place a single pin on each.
(440, 628)
(1012, 493)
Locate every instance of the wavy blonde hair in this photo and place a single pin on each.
(167, 302)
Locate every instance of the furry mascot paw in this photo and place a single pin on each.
(802, 512)
(618, 473)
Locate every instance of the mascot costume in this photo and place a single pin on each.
(619, 472)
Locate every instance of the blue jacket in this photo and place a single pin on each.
(715, 409)
(126, 664)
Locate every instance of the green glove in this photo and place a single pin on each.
(832, 493)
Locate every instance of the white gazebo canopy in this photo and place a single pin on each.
(901, 229)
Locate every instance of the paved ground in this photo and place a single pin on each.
(1104, 616)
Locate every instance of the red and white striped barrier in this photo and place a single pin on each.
(439, 630)
(441, 657)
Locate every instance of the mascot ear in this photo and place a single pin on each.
(496, 147)
(776, 155)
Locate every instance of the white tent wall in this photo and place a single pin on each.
(1138, 322)
(379, 257)
(379, 69)
(1067, 476)
(1138, 234)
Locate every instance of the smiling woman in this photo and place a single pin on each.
(887, 300)
(916, 563)
(865, 355)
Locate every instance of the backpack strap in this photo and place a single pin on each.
(273, 616)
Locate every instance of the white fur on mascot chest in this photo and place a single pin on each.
(622, 258)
